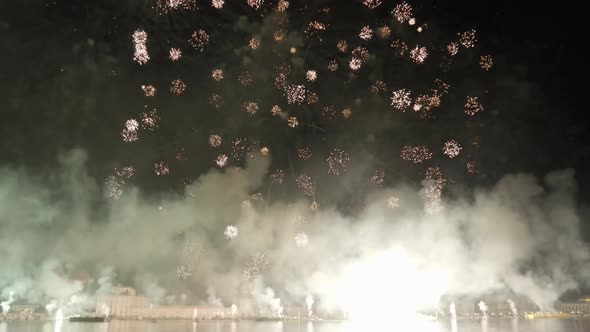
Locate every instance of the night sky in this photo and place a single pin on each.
(68, 80)
(540, 124)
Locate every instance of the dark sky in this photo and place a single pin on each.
(57, 94)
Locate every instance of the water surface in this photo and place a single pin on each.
(538, 325)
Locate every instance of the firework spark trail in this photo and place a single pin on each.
(141, 54)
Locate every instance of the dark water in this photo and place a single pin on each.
(539, 325)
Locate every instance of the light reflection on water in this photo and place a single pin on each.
(504, 325)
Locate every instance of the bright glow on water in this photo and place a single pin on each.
(413, 325)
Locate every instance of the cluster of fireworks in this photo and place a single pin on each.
(296, 97)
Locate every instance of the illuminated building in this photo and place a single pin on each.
(580, 307)
(124, 302)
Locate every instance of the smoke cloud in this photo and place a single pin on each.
(60, 248)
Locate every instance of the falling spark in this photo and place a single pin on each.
(125, 172)
(279, 36)
(129, 135)
(256, 266)
(468, 39)
(161, 168)
(333, 65)
(399, 46)
(295, 94)
(472, 106)
(148, 90)
(415, 154)
(292, 122)
(346, 113)
(199, 39)
(177, 87)
(476, 142)
(384, 32)
(114, 187)
(132, 124)
(175, 54)
(278, 176)
(355, 64)
(183, 272)
(377, 178)
(486, 62)
(366, 33)
(418, 54)
(342, 46)
(304, 153)
(360, 53)
(452, 149)
(378, 87)
(401, 99)
(255, 3)
(215, 141)
(314, 206)
(312, 97)
(221, 160)
(165, 6)
(329, 112)
(453, 48)
(275, 110)
(472, 167)
(141, 55)
(216, 101)
(254, 43)
(282, 5)
(392, 202)
(217, 74)
(245, 78)
(250, 107)
(231, 232)
(372, 4)
(149, 119)
(402, 12)
(311, 75)
(305, 182)
(337, 161)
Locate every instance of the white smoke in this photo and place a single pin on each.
(309, 303)
(512, 308)
(483, 308)
(521, 234)
(50, 307)
(5, 305)
(212, 299)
